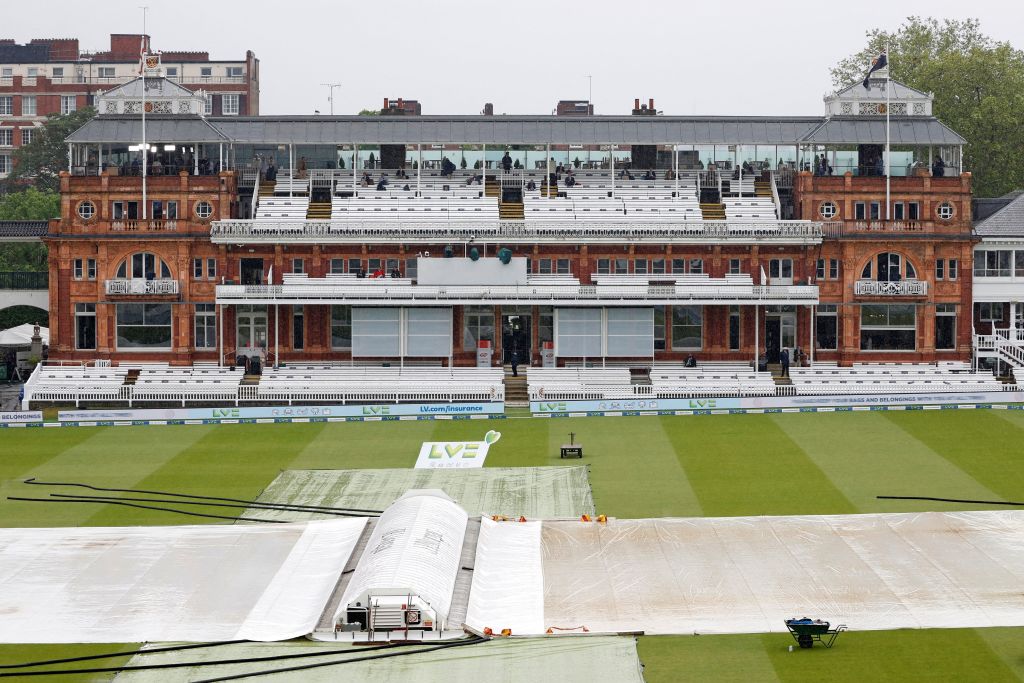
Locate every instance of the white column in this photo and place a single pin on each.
(611, 165)
(195, 158)
(220, 334)
(757, 339)
(813, 340)
(419, 169)
(291, 172)
(277, 339)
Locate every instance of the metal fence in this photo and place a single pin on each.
(24, 280)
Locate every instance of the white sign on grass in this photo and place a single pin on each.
(455, 454)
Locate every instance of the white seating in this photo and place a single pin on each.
(886, 378)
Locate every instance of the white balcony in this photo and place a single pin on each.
(141, 287)
(514, 232)
(900, 288)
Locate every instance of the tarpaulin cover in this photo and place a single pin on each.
(189, 583)
(749, 574)
(415, 545)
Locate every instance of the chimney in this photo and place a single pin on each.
(488, 109)
(651, 103)
(400, 108)
(385, 104)
(636, 104)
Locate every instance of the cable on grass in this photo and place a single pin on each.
(258, 506)
(146, 507)
(952, 500)
(36, 482)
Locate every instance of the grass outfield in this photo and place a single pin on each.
(718, 465)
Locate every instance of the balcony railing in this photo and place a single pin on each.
(266, 231)
(135, 225)
(900, 288)
(141, 287)
(24, 280)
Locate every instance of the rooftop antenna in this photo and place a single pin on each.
(590, 93)
(330, 98)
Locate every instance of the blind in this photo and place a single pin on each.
(428, 332)
(376, 332)
(630, 332)
(578, 332)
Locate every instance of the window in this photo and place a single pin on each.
(914, 211)
(391, 266)
(68, 104)
(341, 327)
(826, 327)
(33, 72)
(859, 213)
(373, 265)
(229, 104)
(78, 269)
(953, 268)
(6, 137)
(659, 328)
(86, 210)
(544, 266)
(6, 105)
(781, 269)
(206, 325)
(621, 266)
(337, 266)
(106, 72)
(944, 211)
(990, 312)
(143, 265)
(355, 266)
(687, 327)
(940, 269)
(211, 268)
(833, 269)
(876, 211)
(828, 209)
(734, 266)
(171, 210)
(143, 326)
(478, 326)
(888, 327)
(234, 72)
(85, 269)
(820, 270)
(640, 266)
(658, 266)
(546, 325)
(992, 263)
(197, 268)
(298, 328)
(156, 210)
(563, 268)
(85, 326)
(898, 211)
(26, 135)
(890, 267)
(734, 328)
(6, 72)
(5, 163)
(58, 72)
(125, 211)
(204, 209)
(171, 71)
(298, 265)
(945, 326)
(208, 104)
(206, 71)
(696, 266)
(604, 266)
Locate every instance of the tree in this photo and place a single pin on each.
(978, 84)
(41, 161)
(369, 112)
(26, 205)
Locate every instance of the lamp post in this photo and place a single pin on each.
(330, 98)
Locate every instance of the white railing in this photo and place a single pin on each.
(382, 291)
(775, 195)
(141, 287)
(136, 225)
(900, 288)
(284, 231)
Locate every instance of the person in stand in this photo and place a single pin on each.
(938, 167)
(559, 170)
(570, 179)
(157, 168)
(670, 174)
(515, 363)
(378, 273)
(302, 167)
(272, 172)
(690, 362)
(367, 179)
(784, 359)
(531, 186)
(506, 162)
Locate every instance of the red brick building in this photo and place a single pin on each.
(51, 76)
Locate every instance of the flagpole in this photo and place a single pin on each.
(145, 152)
(888, 155)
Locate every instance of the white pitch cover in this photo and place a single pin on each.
(749, 574)
(416, 545)
(172, 583)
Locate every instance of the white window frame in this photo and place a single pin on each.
(68, 104)
(106, 72)
(211, 268)
(85, 311)
(208, 104)
(27, 134)
(5, 164)
(6, 137)
(6, 105)
(205, 318)
(230, 104)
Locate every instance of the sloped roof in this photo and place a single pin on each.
(876, 90)
(155, 87)
(1007, 222)
(163, 128)
(904, 130)
(18, 229)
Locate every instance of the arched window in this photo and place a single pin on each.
(888, 267)
(143, 265)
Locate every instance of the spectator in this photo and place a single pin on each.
(405, 187)
(690, 362)
(367, 180)
(378, 273)
(531, 186)
(156, 168)
(559, 170)
(515, 363)
(302, 167)
(272, 172)
(670, 174)
(447, 167)
(506, 162)
(938, 167)
(784, 359)
(570, 179)
(879, 166)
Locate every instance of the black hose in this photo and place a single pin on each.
(952, 500)
(147, 507)
(259, 506)
(234, 677)
(35, 482)
(109, 655)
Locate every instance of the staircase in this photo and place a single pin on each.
(762, 188)
(492, 188)
(713, 212)
(267, 188)
(319, 211)
(511, 211)
(1006, 345)
(516, 391)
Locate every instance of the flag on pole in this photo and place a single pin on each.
(270, 275)
(879, 62)
(764, 277)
